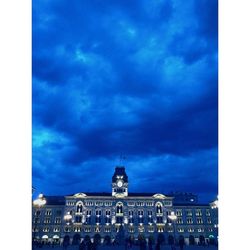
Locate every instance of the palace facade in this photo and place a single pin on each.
(148, 215)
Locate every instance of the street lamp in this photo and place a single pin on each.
(68, 218)
(38, 203)
(173, 218)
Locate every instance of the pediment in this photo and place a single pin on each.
(80, 195)
(159, 196)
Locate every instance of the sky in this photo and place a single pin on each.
(131, 77)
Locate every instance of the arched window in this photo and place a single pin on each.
(119, 208)
(158, 208)
(79, 208)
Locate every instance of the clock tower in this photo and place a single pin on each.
(120, 182)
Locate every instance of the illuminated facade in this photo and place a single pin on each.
(76, 216)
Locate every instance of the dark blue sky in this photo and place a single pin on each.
(131, 76)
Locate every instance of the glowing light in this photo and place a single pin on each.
(41, 201)
(67, 217)
(172, 216)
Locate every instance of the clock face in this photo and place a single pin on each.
(119, 183)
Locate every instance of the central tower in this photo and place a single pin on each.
(120, 182)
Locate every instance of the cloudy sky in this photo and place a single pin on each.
(125, 76)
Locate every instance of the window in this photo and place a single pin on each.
(119, 209)
(189, 221)
(189, 213)
(199, 221)
(47, 221)
(158, 209)
(178, 212)
(107, 229)
(167, 203)
(180, 230)
(210, 230)
(108, 212)
(140, 212)
(160, 229)
(36, 220)
(149, 204)
(150, 229)
(79, 208)
(198, 212)
(209, 220)
(207, 212)
(98, 212)
(98, 203)
(130, 212)
(45, 229)
(78, 219)
(168, 212)
(131, 230)
(190, 230)
(179, 221)
(37, 213)
(200, 230)
(97, 229)
(159, 219)
(140, 204)
(77, 229)
(48, 212)
(57, 220)
(131, 204)
(89, 203)
(88, 212)
(57, 229)
(108, 203)
(87, 229)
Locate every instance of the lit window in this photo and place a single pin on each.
(57, 220)
(79, 208)
(158, 209)
(198, 212)
(179, 221)
(140, 212)
(178, 212)
(98, 212)
(37, 213)
(199, 221)
(47, 221)
(48, 212)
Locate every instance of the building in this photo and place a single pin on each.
(134, 215)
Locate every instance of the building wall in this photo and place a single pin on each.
(138, 215)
